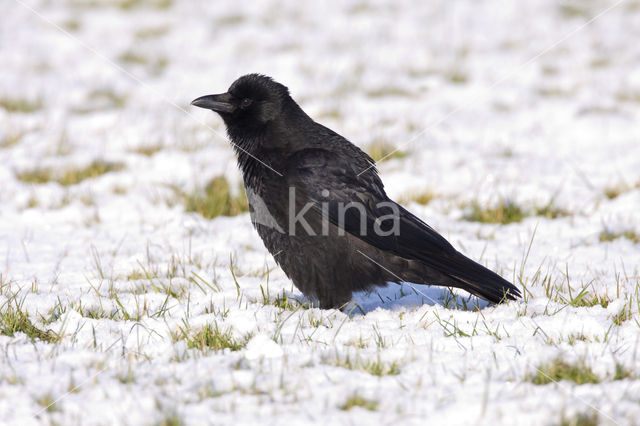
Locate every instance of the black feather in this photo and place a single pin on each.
(341, 244)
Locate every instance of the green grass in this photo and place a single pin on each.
(381, 150)
(507, 211)
(550, 211)
(614, 191)
(149, 150)
(20, 105)
(47, 402)
(420, 197)
(622, 373)
(135, 275)
(587, 300)
(216, 199)
(126, 377)
(71, 176)
(114, 99)
(10, 140)
(171, 419)
(137, 4)
(504, 212)
(560, 290)
(457, 77)
(356, 400)
(211, 337)
(154, 64)
(13, 320)
(607, 235)
(374, 367)
(574, 9)
(100, 100)
(32, 202)
(281, 301)
(329, 114)
(582, 419)
(559, 370)
(390, 91)
(71, 25)
(555, 91)
(572, 339)
(133, 58)
(97, 312)
(230, 20)
(152, 32)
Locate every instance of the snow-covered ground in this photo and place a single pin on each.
(108, 287)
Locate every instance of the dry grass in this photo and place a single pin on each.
(216, 199)
(71, 176)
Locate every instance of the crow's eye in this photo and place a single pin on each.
(246, 102)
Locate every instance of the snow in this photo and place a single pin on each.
(530, 102)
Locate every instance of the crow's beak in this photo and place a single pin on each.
(218, 103)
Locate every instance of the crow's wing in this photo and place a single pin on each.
(359, 205)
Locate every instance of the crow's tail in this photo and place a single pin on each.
(482, 282)
(462, 272)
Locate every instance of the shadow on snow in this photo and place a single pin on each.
(408, 295)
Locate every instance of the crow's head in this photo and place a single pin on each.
(251, 102)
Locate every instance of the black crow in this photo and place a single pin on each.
(320, 207)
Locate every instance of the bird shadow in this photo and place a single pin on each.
(407, 295)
